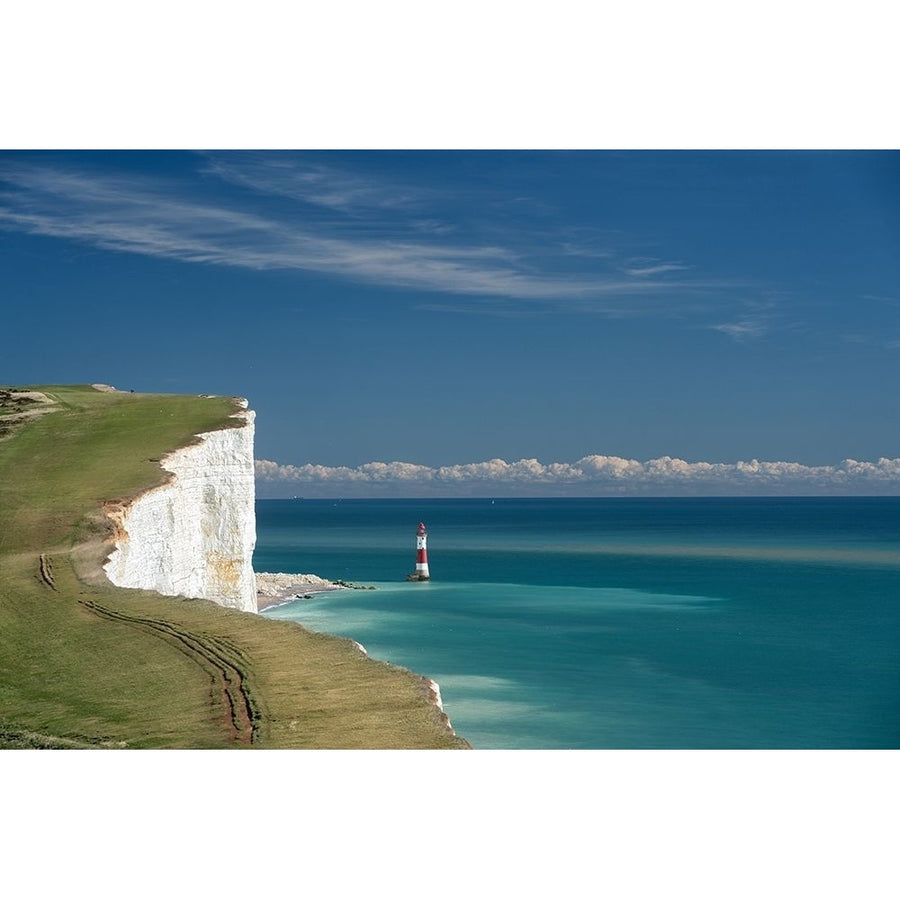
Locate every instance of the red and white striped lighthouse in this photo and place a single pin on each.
(422, 553)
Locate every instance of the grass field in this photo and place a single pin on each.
(84, 664)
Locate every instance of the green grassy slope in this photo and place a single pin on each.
(85, 664)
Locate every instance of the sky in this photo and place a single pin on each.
(481, 323)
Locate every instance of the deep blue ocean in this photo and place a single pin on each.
(619, 623)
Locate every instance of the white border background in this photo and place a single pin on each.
(471, 74)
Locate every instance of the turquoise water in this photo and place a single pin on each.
(620, 623)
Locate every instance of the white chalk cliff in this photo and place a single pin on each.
(194, 536)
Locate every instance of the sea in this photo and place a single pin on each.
(620, 623)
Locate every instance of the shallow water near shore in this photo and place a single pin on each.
(620, 623)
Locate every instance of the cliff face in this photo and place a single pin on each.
(194, 536)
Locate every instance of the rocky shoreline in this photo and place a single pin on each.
(275, 588)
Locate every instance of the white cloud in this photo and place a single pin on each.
(590, 475)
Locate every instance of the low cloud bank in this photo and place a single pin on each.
(589, 476)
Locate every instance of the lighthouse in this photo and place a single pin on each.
(421, 573)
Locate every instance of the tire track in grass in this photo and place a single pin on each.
(223, 662)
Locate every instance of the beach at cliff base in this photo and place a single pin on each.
(277, 588)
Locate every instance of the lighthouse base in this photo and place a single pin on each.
(416, 576)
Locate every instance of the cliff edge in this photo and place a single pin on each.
(87, 663)
(194, 536)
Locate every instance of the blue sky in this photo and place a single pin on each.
(421, 322)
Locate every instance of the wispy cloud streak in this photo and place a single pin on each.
(644, 268)
(156, 218)
(294, 177)
(594, 475)
(743, 329)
